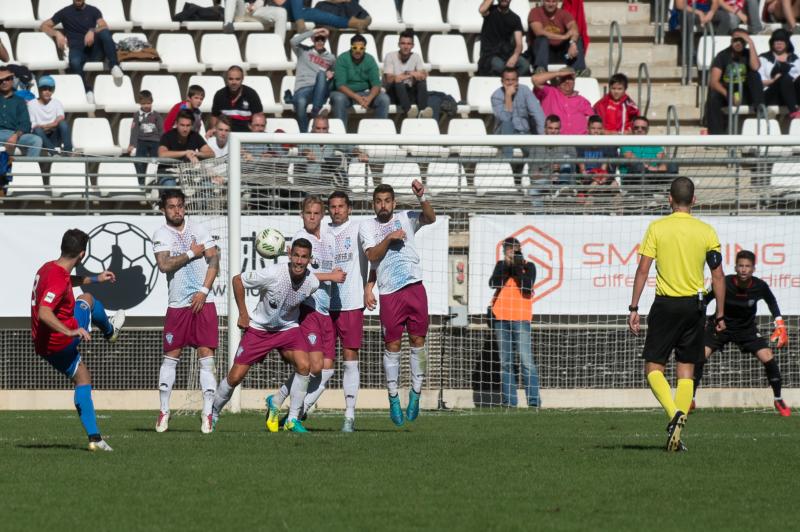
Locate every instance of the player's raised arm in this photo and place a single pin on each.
(102, 277)
(168, 264)
(239, 296)
(428, 216)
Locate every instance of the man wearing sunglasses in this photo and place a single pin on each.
(15, 123)
(645, 160)
(358, 81)
(314, 73)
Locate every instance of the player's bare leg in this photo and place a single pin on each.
(85, 407)
(350, 383)
(775, 380)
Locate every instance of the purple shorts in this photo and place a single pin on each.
(182, 328)
(317, 329)
(349, 327)
(256, 344)
(405, 309)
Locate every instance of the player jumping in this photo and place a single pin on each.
(58, 324)
(743, 291)
(187, 253)
(388, 242)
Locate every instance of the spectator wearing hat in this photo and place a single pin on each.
(779, 72)
(48, 120)
(556, 91)
(358, 80)
(15, 123)
(313, 74)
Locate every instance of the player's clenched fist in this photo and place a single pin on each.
(339, 276)
(397, 235)
(196, 248)
(417, 187)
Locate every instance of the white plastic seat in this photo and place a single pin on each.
(379, 127)
(589, 88)
(479, 93)
(359, 177)
(493, 177)
(445, 177)
(463, 16)
(152, 15)
(266, 52)
(113, 14)
(424, 15)
(166, 92)
(390, 44)
(343, 46)
(794, 131)
(112, 98)
(124, 133)
(384, 15)
(521, 8)
(177, 53)
(30, 185)
(16, 14)
(68, 179)
(201, 25)
(399, 175)
(785, 179)
(469, 127)
(287, 83)
(288, 125)
(119, 181)
(211, 84)
(92, 136)
(263, 87)
(37, 51)
(448, 53)
(762, 128)
(136, 66)
(46, 8)
(71, 93)
(423, 126)
(7, 45)
(713, 46)
(219, 51)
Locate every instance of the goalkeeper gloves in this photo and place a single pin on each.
(780, 334)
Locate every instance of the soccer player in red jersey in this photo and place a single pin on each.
(58, 324)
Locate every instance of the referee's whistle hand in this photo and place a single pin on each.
(633, 323)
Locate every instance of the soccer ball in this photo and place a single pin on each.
(270, 243)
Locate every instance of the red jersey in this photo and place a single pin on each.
(52, 288)
(617, 115)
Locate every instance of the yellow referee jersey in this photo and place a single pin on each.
(679, 243)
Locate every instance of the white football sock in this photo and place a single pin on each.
(208, 382)
(313, 395)
(350, 383)
(391, 365)
(166, 380)
(221, 398)
(297, 394)
(419, 363)
(283, 392)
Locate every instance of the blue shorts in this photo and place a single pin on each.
(66, 361)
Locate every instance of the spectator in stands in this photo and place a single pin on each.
(546, 172)
(779, 72)
(48, 120)
(736, 64)
(314, 74)
(4, 56)
(87, 37)
(219, 141)
(701, 9)
(183, 144)
(405, 77)
(267, 11)
(516, 112)
(646, 161)
(512, 308)
(258, 124)
(730, 14)
(560, 98)
(236, 100)
(146, 131)
(326, 161)
(501, 40)
(296, 12)
(616, 109)
(554, 37)
(787, 11)
(194, 99)
(15, 123)
(597, 177)
(358, 80)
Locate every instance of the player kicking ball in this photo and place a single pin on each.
(275, 325)
(388, 242)
(743, 291)
(187, 253)
(58, 324)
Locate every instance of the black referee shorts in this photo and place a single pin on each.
(747, 340)
(674, 323)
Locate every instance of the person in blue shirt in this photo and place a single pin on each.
(15, 124)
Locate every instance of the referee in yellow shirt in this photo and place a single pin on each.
(680, 245)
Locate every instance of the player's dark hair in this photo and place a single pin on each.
(553, 119)
(310, 199)
(747, 255)
(358, 38)
(184, 113)
(146, 96)
(168, 195)
(195, 90)
(225, 119)
(301, 243)
(380, 189)
(406, 34)
(595, 119)
(339, 194)
(618, 78)
(682, 191)
(73, 243)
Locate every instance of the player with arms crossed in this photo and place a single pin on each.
(679, 244)
(742, 294)
(274, 325)
(187, 253)
(58, 324)
(388, 242)
(315, 320)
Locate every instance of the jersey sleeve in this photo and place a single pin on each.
(366, 236)
(258, 279)
(648, 246)
(313, 282)
(51, 290)
(769, 299)
(160, 241)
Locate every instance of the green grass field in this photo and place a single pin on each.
(551, 470)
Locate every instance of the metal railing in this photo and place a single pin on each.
(673, 121)
(643, 75)
(687, 45)
(734, 104)
(660, 8)
(708, 35)
(614, 32)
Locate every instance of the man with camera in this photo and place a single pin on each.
(511, 311)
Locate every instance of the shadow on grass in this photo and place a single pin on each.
(143, 429)
(46, 446)
(631, 447)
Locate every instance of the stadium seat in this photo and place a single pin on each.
(424, 16)
(27, 181)
(522, 8)
(263, 86)
(287, 83)
(68, 179)
(399, 176)
(136, 66)
(493, 177)
(794, 131)
(448, 85)
(166, 92)
(71, 94)
(7, 44)
(266, 52)
(37, 51)
(124, 133)
(589, 88)
(448, 53)
(200, 25)
(463, 16)
(211, 84)
(445, 177)
(379, 127)
(384, 15)
(389, 44)
(219, 51)
(343, 46)
(112, 98)
(427, 127)
(46, 8)
(479, 93)
(359, 177)
(177, 53)
(152, 15)
(119, 181)
(16, 14)
(470, 127)
(760, 127)
(92, 136)
(784, 180)
(707, 48)
(288, 125)
(113, 14)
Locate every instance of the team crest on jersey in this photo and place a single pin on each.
(314, 262)
(397, 225)
(312, 339)
(49, 297)
(169, 337)
(348, 242)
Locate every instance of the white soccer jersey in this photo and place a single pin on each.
(321, 262)
(348, 256)
(400, 266)
(188, 280)
(278, 307)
